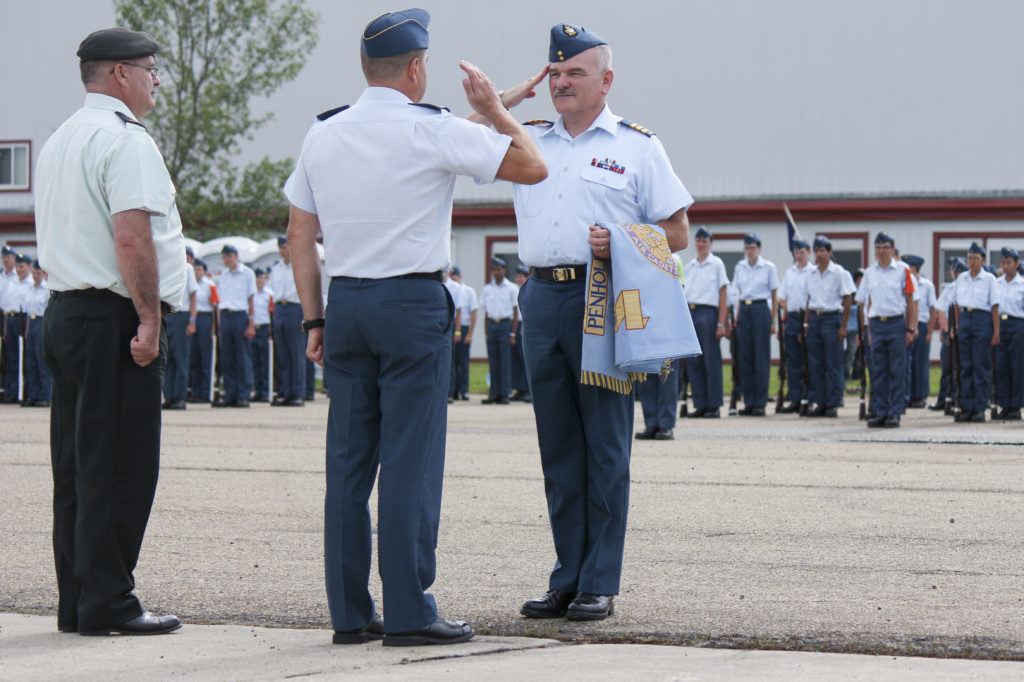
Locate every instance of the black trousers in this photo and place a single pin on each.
(105, 453)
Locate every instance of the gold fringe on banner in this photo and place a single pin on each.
(623, 386)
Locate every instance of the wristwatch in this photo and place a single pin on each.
(312, 324)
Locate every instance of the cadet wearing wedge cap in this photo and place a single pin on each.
(756, 285)
(103, 190)
(289, 339)
(793, 302)
(918, 354)
(499, 301)
(830, 289)
(977, 313)
(1009, 353)
(390, 160)
(707, 294)
(236, 315)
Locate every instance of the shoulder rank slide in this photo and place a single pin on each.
(637, 127)
(431, 106)
(128, 119)
(538, 122)
(331, 112)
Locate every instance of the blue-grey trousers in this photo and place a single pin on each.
(975, 329)
(178, 342)
(236, 365)
(705, 371)
(387, 352)
(888, 365)
(917, 365)
(289, 351)
(754, 343)
(1010, 364)
(795, 361)
(499, 356)
(825, 359)
(200, 357)
(37, 375)
(585, 435)
(658, 398)
(260, 352)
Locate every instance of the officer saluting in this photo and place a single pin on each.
(390, 161)
(977, 319)
(600, 163)
(889, 286)
(110, 238)
(830, 289)
(755, 281)
(707, 293)
(1010, 351)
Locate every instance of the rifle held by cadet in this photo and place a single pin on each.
(780, 396)
(734, 395)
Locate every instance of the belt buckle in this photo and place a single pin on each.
(749, 301)
(693, 306)
(1004, 317)
(882, 318)
(563, 274)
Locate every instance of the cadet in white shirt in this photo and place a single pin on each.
(829, 293)
(378, 178)
(110, 238)
(180, 327)
(500, 303)
(943, 309)
(37, 374)
(602, 168)
(792, 297)
(263, 303)
(918, 354)
(14, 325)
(467, 316)
(289, 339)
(455, 290)
(706, 292)
(892, 323)
(977, 322)
(236, 320)
(200, 357)
(756, 283)
(1009, 387)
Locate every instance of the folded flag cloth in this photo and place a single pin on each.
(636, 322)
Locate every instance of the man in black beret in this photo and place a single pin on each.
(110, 238)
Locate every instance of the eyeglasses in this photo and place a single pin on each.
(153, 70)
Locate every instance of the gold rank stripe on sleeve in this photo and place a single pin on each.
(637, 127)
(538, 122)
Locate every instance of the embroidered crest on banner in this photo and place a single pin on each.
(653, 246)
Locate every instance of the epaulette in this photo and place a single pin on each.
(331, 112)
(538, 122)
(637, 127)
(128, 119)
(431, 106)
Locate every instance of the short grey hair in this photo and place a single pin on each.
(604, 57)
(387, 69)
(93, 69)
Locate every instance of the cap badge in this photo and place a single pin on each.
(568, 30)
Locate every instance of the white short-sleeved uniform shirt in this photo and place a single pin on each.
(704, 280)
(609, 173)
(469, 302)
(191, 287)
(235, 287)
(946, 297)
(261, 301)
(976, 292)
(794, 287)
(5, 279)
(755, 282)
(36, 299)
(1011, 296)
(95, 165)
(282, 281)
(380, 176)
(499, 301)
(204, 295)
(15, 293)
(925, 297)
(455, 289)
(825, 290)
(887, 287)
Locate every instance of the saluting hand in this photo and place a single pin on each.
(145, 345)
(525, 90)
(480, 91)
(315, 345)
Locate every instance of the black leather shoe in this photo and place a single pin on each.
(590, 607)
(372, 630)
(240, 403)
(46, 403)
(296, 402)
(463, 396)
(502, 401)
(489, 401)
(646, 434)
(978, 416)
(441, 631)
(891, 423)
(963, 417)
(176, 405)
(664, 434)
(792, 408)
(551, 605)
(222, 403)
(696, 414)
(876, 422)
(940, 405)
(516, 396)
(818, 411)
(279, 402)
(1012, 415)
(756, 412)
(830, 412)
(146, 624)
(525, 397)
(918, 404)
(712, 414)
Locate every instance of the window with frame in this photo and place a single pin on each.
(14, 166)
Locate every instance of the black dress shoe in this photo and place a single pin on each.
(646, 434)
(502, 401)
(165, 404)
(525, 397)
(756, 412)
(279, 402)
(489, 401)
(876, 422)
(818, 411)
(917, 404)
(1012, 415)
(222, 403)
(296, 402)
(240, 403)
(963, 417)
(590, 607)
(664, 434)
(940, 405)
(46, 403)
(146, 624)
(372, 630)
(891, 423)
(441, 631)
(515, 396)
(792, 408)
(830, 412)
(696, 414)
(551, 605)
(451, 400)
(176, 405)
(978, 416)
(463, 396)
(712, 414)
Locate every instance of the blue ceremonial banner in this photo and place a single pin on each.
(637, 321)
(791, 229)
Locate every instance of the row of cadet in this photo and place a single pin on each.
(23, 299)
(239, 339)
(834, 325)
(499, 302)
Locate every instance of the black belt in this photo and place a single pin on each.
(887, 318)
(703, 306)
(752, 301)
(1010, 317)
(261, 326)
(165, 308)
(561, 273)
(277, 303)
(433, 276)
(500, 319)
(14, 314)
(975, 310)
(825, 312)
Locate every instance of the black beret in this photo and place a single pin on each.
(522, 270)
(567, 41)
(396, 33)
(117, 43)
